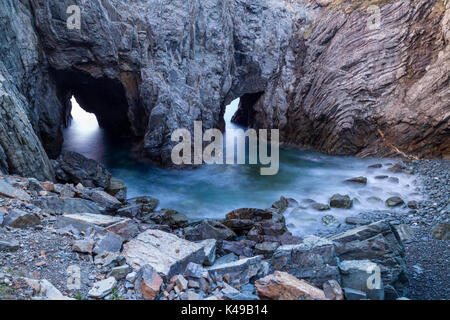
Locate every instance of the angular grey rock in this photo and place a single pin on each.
(8, 191)
(119, 272)
(352, 294)
(102, 288)
(130, 211)
(267, 249)
(356, 221)
(379, 243)
(209, 247)
(79, 169)
(332, 290)
(21, 219)
(86, 221)
(405, 233)
(314, 260)
(105, 200)
(231, 257)
(362, 275)
(165, 252)
(357, 180)
(149, 204)
(83, 246)
(195, 270)
(117, 189)
(109, 242)
(208, 229)
(60, 206)
(43, 289)
(172, 218)
(240, 272)
(34, 185)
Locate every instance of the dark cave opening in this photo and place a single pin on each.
(105, 98)
(245, 114)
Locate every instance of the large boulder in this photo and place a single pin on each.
(314, 260)
(75, 168)
(164, 252)
(379, 243)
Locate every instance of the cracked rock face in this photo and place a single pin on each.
(342, 81)
(146, 68)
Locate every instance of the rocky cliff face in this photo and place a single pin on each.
(348, 88)
(145, 68)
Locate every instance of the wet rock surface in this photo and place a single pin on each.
(276, 55)
(116, 257)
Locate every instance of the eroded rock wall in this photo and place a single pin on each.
(149, 67)
(345, 85)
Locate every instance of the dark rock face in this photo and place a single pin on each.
(378, 242)
(314, 260)
(146, 68)
(73, 167)
(342, 81)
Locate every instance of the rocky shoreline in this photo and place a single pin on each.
(83, 239)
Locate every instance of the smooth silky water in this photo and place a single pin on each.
(211, 191)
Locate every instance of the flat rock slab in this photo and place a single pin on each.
(239, 272)
(8, 191)
(102, 288)
(283, 286)
(68, 205)
(165, 252)
(84, 221)
(21, 219)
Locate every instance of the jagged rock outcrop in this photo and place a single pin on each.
(349, 87)
(146, 68)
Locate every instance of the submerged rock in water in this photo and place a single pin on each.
(320, 206)
(360, 275)
(340, 201)
(394, 202)
(357, 180)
